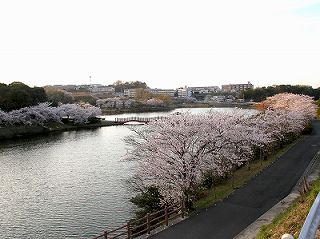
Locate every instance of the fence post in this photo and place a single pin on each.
(129, 229)
(306, 185)
(166, 217)
(105, 233)
(301, 190)
(148, 223)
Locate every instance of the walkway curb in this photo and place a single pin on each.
(311, 173)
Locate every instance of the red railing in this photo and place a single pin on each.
(138, 119)
(137, 227)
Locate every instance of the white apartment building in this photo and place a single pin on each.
(130, 92)
(182, 91)
(169, 92)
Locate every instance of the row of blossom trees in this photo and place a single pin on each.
(44, 113)
(175, 153)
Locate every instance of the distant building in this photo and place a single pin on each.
(237, 87)
(169, 92)
(66, 87)
(202, 90)
(102, 89)
(182, 91)
(130, 92)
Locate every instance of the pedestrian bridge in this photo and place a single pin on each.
(137, 119)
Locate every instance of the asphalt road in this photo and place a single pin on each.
(229, 217)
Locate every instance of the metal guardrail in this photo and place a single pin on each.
(312, 221)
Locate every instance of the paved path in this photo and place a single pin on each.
(245, 205)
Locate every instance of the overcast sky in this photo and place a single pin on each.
(167, 44)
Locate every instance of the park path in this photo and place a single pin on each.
(228, 218)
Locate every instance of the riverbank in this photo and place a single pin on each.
(11, 132)
(136, 110)
(176, 106)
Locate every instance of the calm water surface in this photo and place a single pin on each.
(64, 185)
(67, 185)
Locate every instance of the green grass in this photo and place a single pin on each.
(210, 196)
(291, 221)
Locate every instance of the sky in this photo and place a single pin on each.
(167, 43)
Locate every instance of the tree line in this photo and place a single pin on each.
(18, 95)
(120, 86)
(261, 93)
(176, 155)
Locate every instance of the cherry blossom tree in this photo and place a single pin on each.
(288, 102)
(280, 123)
(79, 114)
(287, 115)
(34, 115)
(174, 153)
(44, 113)
(154, 102)
(168, 155)
(5, 118)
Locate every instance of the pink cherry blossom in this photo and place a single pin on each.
(174, 153)
(43, 113)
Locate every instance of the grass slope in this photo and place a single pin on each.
(291, 221)
(210, 196)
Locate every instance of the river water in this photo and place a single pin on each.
(67, 185)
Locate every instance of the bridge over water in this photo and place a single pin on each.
(137, 119)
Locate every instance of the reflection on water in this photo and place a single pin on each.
(180, 110)
(66, 185)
